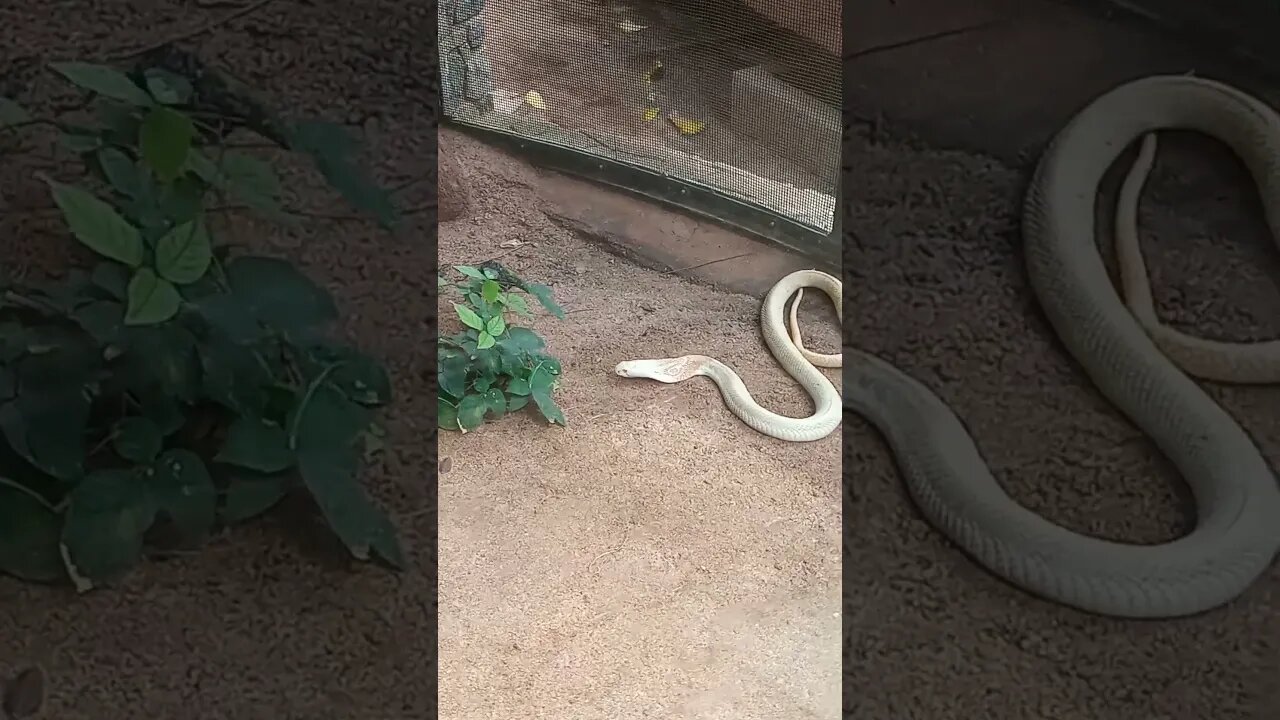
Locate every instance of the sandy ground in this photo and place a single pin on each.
(938, 288)
(656, 558)
(273, 623)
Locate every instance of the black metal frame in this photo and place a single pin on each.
(823, 248)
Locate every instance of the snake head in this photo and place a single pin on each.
(667, 370)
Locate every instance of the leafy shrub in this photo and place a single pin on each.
(493, 367)
(174, 388)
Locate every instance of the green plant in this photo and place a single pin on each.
(173, 389)
(492, 367)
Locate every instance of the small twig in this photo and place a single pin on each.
(898, 45)
(625, 535)
(6, 482)
(32, 303)
(704, 264)
(207, 28)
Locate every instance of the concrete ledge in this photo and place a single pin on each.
(654, 237)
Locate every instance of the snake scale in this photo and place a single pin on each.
(1237, 533)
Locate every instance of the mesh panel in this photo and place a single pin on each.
(706, 91)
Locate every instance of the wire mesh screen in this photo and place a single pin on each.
(711, 92)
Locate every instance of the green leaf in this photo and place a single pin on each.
(331, 147)
(103, 80)
(11, 113)
(541, 380)
(119, 170)
(495, 402)
(446, 415)
(111, 277)
(517, 303)
(151, 299)
(330, 475)
(276, 293)
(183, 254)
(162, 357)
(468, 316)
(120, 122)
(496, 325)
(81, 142)
(181, 487)
(523, 340)
(256, 444)
(469, 271)
(250, 181)
(549, 409)
(46, 427)
(491, 273)
(138, 440)
(324, 417)
(29, 535)
(357, 375)
(227, 315)
(451, 375)
(543, 294)
(519, 386)
(95, 224)
(471, 410)
(248, 496)
(102, 319)
(102, 533)
(161, 410)
(485, 341)
(167, 87)
(233, 377)
(517, 402)
(164, 139)
(490, 290)
(181, 202)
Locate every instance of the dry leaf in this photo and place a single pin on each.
(512, 244)
(534, 98)
(24, 694)
(686, 126)
(505, 101)
(446, 464)
(650, 113)
(631, 26)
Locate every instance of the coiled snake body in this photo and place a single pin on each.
(1238, 531)
(790, 352)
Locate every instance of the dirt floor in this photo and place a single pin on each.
(655, 558)
(936, 286)
(273, 623)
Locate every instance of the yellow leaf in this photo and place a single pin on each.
(534, 98)
(650, 113)
(686, 126)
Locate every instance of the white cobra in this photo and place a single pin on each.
(799, 362)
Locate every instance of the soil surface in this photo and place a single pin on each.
(936, 285)
(274, 622)
(655, 558)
